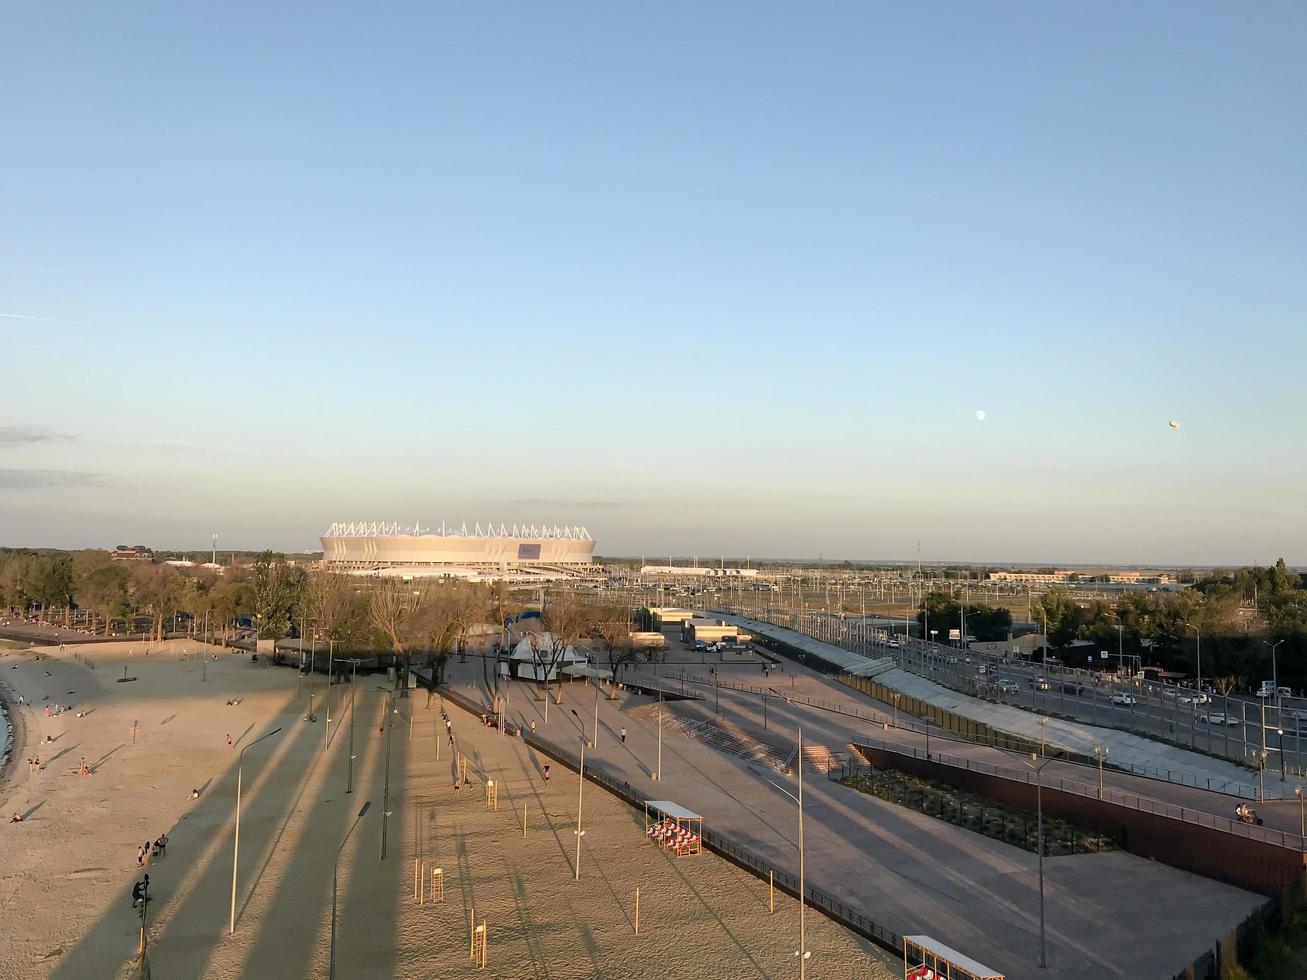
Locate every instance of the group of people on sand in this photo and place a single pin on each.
(152, 850)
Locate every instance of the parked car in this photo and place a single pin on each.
(1120, 697)
(1217, 718)
(1040, 683)
(1007, 687)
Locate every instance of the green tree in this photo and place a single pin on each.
(1059, 612)
(277, 592)
(1281, 579)
(103, 590)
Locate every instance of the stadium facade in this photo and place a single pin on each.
(517, 552)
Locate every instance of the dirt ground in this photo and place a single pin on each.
(65, 908)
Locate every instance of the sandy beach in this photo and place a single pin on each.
(72, 860)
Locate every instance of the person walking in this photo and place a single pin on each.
(140, 857)
(546, 774)
(228, 741)
(623, 734)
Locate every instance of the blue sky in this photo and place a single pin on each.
(704, 277)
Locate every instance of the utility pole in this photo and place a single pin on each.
(385, 793)
(659, 773)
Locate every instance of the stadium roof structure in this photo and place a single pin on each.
(365, 529)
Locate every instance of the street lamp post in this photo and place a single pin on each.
(658, 773)
(1102, 751)
(1275, 680)
(580, 788)
(803, 953)
(334, 872)
(1302, 820)
(1035, 764)
(385, 792)
(236, 840)
(1198, 635)
(803, 902)
(349, 778)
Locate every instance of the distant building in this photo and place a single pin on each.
(661, 617)
(517, 553)
(711, 631)
(1044, 578)
(135, 552)
(705, 572)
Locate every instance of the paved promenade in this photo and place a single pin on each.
(909, 872)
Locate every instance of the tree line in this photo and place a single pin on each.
(431, 619)
(1239, 615)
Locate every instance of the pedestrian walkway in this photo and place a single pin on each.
(905, 871)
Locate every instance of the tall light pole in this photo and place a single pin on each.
(803, 902)
(334, 871)
(803, 953)
(385, 793)
(1102, 751)
(1302, 820)
(658, 773)
(580, 788)
(236, 841)
(1035, 764)
(1199, 637)
(1275, 679)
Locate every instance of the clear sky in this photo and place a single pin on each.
(704, 277)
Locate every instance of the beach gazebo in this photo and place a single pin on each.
(673, 827)
(928, 959)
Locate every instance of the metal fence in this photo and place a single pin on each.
(1107, 795)
(1282, 734)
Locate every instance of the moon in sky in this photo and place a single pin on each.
(980, 415)
(1173, 424)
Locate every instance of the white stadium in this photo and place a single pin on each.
(517, 553)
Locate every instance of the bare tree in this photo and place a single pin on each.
(397, 611)
(612, 630)
(469, 606)
(565, 620)
(1225, 684)
(436, 631)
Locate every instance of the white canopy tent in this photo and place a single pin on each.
(526, 665)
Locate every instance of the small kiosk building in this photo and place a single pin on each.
(672, 826)
(927, 959)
